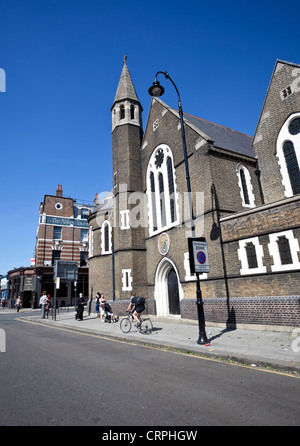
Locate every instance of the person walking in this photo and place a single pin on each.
(98, 304)
(18, 303)
(80, 307)
(102, 306)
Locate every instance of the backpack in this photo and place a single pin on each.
(139, 301)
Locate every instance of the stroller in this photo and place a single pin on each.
(108, 314)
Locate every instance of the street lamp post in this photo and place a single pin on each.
(157, 90)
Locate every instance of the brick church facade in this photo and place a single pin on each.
(245, 196)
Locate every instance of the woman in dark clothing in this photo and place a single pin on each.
(80, 305)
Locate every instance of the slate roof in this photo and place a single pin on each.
(223, 137)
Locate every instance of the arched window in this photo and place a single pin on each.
(288, 154)
(132, 111)
(292, 166)
(106, 238)
(162, 199)
(122, 111)
(246, 190)
(171, 189)
(161, 190)
(244, 187)
(153, 202)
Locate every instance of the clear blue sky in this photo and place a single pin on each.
(63, 60)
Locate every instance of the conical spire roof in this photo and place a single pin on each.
(125, 88)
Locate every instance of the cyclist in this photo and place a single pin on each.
(136, 306)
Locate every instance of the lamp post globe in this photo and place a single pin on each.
(156, 89)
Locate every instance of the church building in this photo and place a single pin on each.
(245, 199)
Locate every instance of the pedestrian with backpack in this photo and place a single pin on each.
(136, 307)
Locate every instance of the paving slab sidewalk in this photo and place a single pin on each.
(279, 350)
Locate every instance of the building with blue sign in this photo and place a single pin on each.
(62, 234)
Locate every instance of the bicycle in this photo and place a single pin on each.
(145, 326)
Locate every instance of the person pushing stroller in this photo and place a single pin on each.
(108, 313)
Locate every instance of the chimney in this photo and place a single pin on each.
(96, 200)
(59, 191)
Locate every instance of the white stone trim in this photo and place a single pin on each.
(274, 251)
(242, 255)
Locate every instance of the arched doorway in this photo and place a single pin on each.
(168, 290)
(173, 293)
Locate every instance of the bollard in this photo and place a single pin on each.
(43, 311)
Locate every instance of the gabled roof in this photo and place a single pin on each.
(221, 137)
(125, 88)
(278, 64)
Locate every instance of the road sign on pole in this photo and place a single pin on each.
(198, 255)
(66, 270)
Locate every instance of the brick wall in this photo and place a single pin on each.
(279, 311)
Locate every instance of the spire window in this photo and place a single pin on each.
(132, 111)
(122, 111)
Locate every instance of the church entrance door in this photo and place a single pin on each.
(173, 293)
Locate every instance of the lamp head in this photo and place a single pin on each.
(156, 89)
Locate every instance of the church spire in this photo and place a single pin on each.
(126, 107)
(125, 88)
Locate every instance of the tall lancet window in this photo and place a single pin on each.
(288, 154)
(162, 191)
(245, 185)
(171, 189)
(122, 111)
(292, 166)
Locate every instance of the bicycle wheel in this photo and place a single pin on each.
(146, 326)
(125, 325)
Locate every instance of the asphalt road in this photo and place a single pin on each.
(54, 377)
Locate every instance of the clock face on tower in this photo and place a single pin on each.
(159, 157)
(294, 127)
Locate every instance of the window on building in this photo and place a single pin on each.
(106, 244)
(122, 112)
(153, 201)
(171, 189)
(126, 280)
(84, 235)
(288, 154)
(57, 230)
(162, 199)
(284, 250)
(246, 189)
(292, 166)
(91, 242)
(83, 258)
(84, 213)
(132, 111)
(161, 190)
(251, 255)
(55, 255)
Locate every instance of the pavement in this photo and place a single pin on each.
(274, 350)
